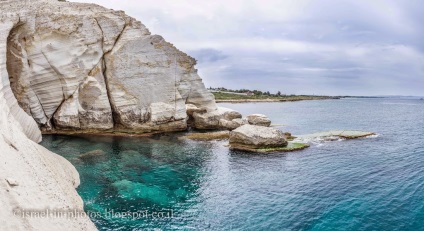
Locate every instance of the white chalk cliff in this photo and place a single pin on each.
(80, 67)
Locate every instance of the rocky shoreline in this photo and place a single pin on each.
(81, 69)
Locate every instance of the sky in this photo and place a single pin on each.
(321, 47)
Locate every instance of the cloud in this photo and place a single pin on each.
(295, 46)
(208, 55)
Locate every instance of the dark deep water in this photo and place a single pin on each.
(367, 184)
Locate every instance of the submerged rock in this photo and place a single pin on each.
(291, 147)
(92, 154)
(333, 136)
(252, 137)
(129, 190)
(259, 119)
(221, 135)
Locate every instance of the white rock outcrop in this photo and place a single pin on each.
(31, 177)
(192, 109)
(250, 137)
(232, 124)
(79, 67)
(216, 119)
(82, 67)
(258, 119)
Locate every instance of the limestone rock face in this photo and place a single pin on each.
(216, 119)
(255, 137)
(259, 119)
(233, 124)
(31, 177)
(191, 108)
(80, 67)
(83, 67)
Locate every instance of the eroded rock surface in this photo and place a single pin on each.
(232, 124)
(249, 137)
(215, 119)
(76, 66)
(259, 119)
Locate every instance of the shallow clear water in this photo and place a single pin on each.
(367, 184)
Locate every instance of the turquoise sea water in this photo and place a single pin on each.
(367, 184)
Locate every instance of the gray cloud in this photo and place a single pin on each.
(303, 46)
(208, 55)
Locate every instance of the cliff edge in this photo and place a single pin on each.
(79, 68)
(84, 68)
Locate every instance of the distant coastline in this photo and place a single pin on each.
(271, 100)
(223, 95)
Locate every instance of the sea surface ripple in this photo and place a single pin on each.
(367, 184)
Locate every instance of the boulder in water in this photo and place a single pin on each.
(252, 137)
(233, 124)
(259, 119)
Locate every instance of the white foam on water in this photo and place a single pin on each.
(373, 136)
